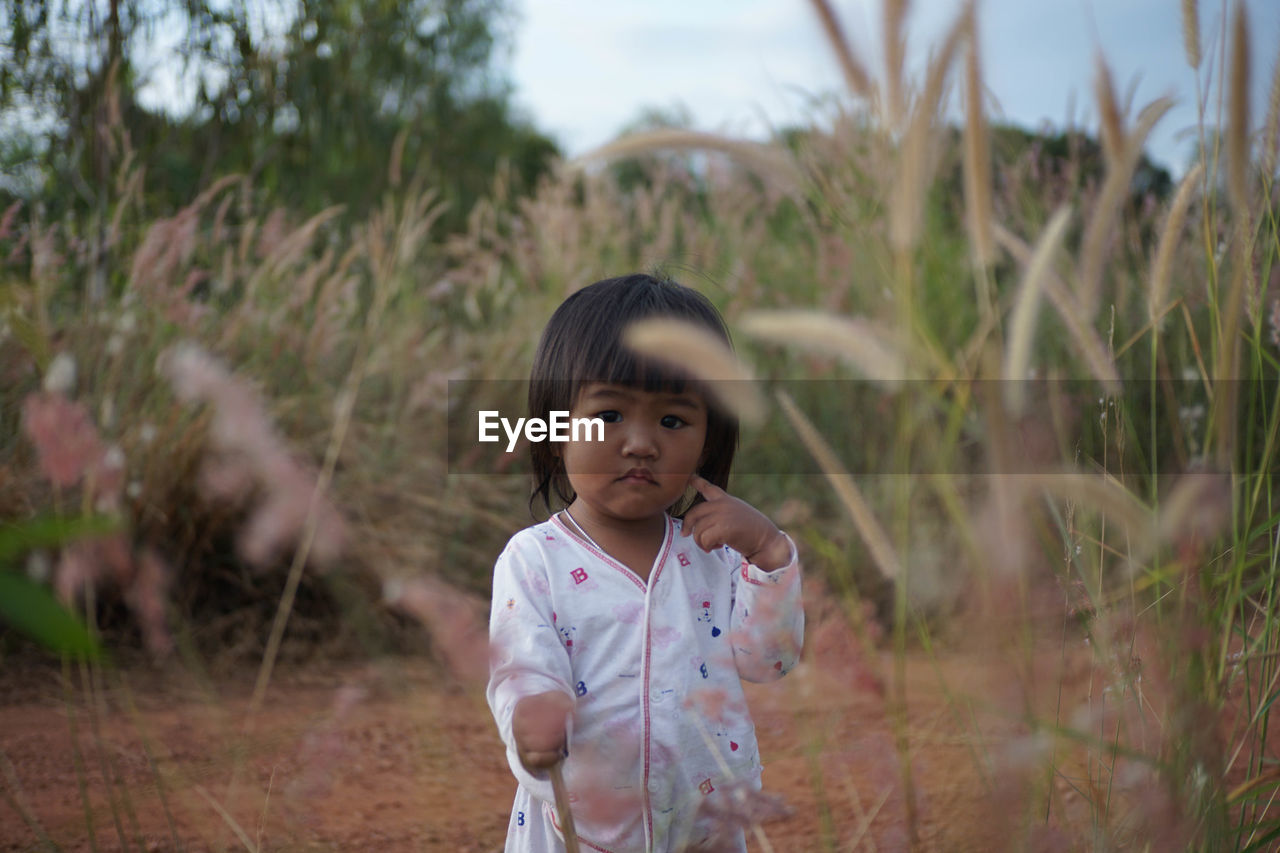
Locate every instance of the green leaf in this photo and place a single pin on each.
(32, 339)
(31, 608)
(16, 539)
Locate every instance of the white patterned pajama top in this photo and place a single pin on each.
(661, 744)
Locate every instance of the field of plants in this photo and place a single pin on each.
(1015, 396)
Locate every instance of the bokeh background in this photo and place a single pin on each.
(1002, 277)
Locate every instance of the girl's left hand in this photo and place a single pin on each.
(723, 519)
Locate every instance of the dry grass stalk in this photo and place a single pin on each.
(855, 339)
(855, 75)
(906, 205)
(1101, 227)
(767, 161)
(16, 797)
(290, 249)
(7, 219)
(1105, 494)
(218, 233)
(562, 809)
(1017, 359)
(895, 13)
(168, 244)
(692, 348)
(227, 818)
(977, 156)
(215, 188)
(1087, 341)
(1191, 32)
(1226, 369)
(864, 520)
(1238, 113)
(394, 173)
(1170, 239)
(1109, 117)
(130, 190)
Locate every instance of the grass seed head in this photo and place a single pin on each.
(1271, 131)
(1111, 123)
(916, 164)
(857, 340)
(246, 444)
(1238, 113)
(1017, 360)
(1170, 239)
(1191, 32)
(453, 618)
(8, 218)
(1100, 227)
(690, 347)
(148, 599)
(855, 74)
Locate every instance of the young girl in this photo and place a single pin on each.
(622, 626)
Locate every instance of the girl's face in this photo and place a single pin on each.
(653, 443)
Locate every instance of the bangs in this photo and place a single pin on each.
(611, 362)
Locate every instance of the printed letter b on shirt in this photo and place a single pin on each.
(579, 575)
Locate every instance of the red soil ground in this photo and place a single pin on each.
(393, 756)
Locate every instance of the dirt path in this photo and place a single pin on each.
(386, 758)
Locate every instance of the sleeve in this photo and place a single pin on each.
(767, 623)
(525, 653)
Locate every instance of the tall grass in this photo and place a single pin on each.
(1164, 523)
(1061, 457)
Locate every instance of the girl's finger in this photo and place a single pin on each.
(708, 537)
(706, 488)
(541, 759)
(693, 518)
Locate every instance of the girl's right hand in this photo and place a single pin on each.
(722, 519)
(538, 726)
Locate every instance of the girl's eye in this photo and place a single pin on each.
(610, 416)
(673, 421)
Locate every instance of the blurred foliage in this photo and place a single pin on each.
(29, 605)
(306, 98)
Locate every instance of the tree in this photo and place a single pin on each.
(306, 97)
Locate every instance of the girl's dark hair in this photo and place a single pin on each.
(582, 343)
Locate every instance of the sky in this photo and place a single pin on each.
(585, 69)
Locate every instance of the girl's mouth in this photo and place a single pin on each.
(638, 475)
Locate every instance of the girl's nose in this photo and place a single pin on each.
(640, 441)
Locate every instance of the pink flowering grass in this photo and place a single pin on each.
(65, 437)
(249, 463)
